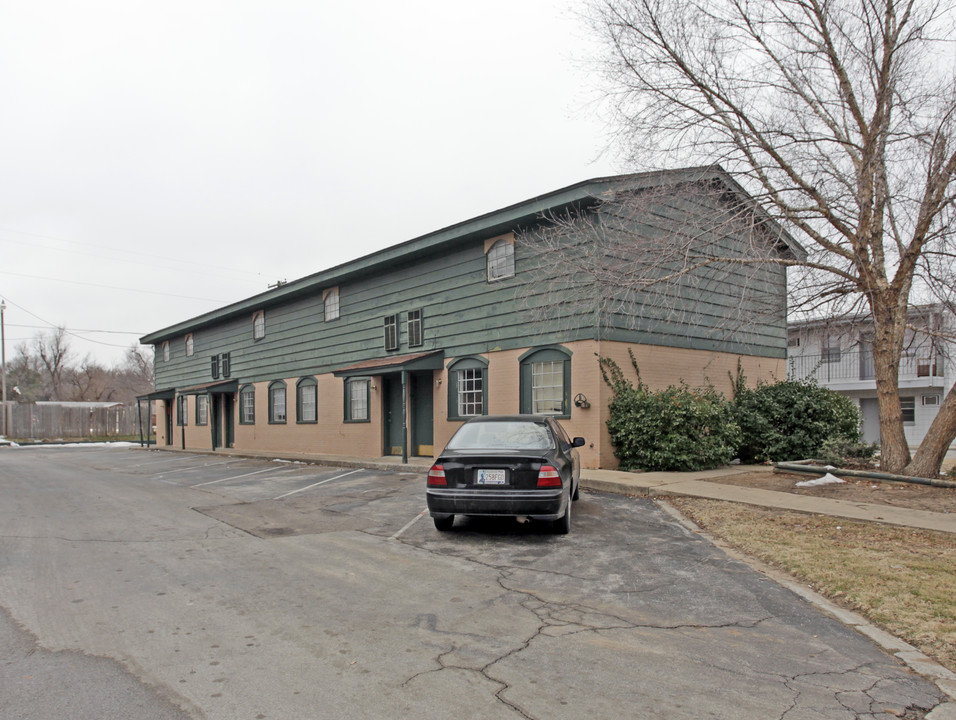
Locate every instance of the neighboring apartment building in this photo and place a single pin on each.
(838, 353)
(388, 354)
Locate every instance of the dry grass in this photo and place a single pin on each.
(902, 579)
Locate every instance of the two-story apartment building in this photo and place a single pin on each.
(389, 353)
(838, 354)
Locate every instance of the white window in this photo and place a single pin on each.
(259, 325)
(331, 298)
(357, 401)
(166, 352)
(202, 409)
(277, 411)
(470, 387)
(908, 405)
(547, 387)
(307, 401)
(930, 400)
(247, 404)
(501, 261)
(189, 345)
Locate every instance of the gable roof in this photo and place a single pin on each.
(484, 226)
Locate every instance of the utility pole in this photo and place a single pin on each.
(3, 371)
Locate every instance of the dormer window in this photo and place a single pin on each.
(501, 259)
(259, 325)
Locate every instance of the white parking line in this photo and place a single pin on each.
(192, 468)
(321, 482)
(236, 477)
(409, 524)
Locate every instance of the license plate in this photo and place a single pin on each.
(491, 477)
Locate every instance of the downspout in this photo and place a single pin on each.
(404, 418)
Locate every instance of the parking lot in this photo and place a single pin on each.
(239, 588)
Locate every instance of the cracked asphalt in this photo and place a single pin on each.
(169, 585)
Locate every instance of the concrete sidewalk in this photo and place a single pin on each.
(706, 484)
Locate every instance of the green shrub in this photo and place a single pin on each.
(841, 451)
(792, 419)
(679, 428)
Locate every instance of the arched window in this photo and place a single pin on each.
(501, 260)
(247, 405)
(259, 325)
(467, 388)
(189, 345)
(277, 402)
(546, 381)
(306, 400)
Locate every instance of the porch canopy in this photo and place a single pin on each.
(218, 386)
(434, 360)
(167, 394)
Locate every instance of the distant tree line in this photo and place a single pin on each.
(46, 368)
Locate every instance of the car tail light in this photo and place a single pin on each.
(548, 477)
(436, 476)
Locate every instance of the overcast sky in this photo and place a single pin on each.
(159, 160)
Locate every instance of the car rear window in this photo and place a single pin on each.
(501, 436)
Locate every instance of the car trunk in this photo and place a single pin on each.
(479, 472)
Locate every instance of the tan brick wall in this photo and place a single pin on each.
(664, 366)
(660, 367)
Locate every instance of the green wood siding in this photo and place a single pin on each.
(444, 275)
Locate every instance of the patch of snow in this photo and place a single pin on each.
(827, 479)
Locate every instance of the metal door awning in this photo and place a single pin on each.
(219, 386)
(434, 360)
(167, 394)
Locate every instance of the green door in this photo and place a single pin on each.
(392, 393)
(423, 427)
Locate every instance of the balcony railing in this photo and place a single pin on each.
(845, 367)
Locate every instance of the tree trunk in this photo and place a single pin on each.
(894, 450)
(929, 457)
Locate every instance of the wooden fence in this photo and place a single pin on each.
(54, 422)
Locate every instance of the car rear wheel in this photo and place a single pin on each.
(577, 491)
(562, 526)
(444, 523)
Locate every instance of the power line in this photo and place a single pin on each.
(113, 332)
(53, 325)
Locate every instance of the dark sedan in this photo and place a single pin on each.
(514, 465)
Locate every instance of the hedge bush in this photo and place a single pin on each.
(792, 419)
(679, 428)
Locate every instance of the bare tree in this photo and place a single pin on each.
(839, 117)
(53, 351)
(92, 382)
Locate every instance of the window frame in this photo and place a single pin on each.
(166, 351)
(331, 310)
(306, 383)
(258, 325)
(550, 353)
(908, 402)
(247, 390)
(189, 345)
(202, 409)
(351, 385)
(501, 252)
(417, 323)
(391, 323)
(274, 387)
(182, 411)
(468, 363)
